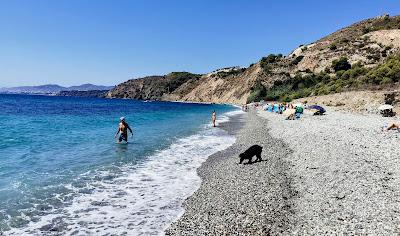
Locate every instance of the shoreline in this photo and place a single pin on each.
(336, 108)
(337, 173)
(247, 199)
(140, 100)
(135, 198)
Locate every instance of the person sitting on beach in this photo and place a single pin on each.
(123, 128)
(290, 117)
(214, 118)
(298, 112)
(281, 108)
(393, 126)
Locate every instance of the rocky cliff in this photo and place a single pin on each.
(152, 87)
(346, 59)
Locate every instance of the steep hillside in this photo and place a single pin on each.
(152, 87)
(227, 87)
(355, 57)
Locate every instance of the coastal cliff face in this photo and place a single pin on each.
(313, 69)
(151, 87)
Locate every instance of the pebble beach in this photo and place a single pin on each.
(333, 174)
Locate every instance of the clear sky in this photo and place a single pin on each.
(107, 42)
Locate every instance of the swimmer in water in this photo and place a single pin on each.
(214, 118)
(123, 128)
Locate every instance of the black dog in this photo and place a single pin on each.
(254, 150)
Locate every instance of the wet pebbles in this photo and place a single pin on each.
(251, 199)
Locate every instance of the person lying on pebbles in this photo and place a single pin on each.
(393, 125)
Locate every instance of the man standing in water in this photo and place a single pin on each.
(214, 118)
(123, 128)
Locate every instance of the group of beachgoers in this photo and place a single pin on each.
(295, 111)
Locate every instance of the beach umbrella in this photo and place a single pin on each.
(318, 108)
(385, 107)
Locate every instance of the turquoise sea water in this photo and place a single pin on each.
(61, 171)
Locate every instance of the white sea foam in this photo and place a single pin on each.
(144, 199)
(226, 116)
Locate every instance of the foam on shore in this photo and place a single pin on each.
(236, 199)
(140, 200)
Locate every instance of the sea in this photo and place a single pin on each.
(62, 172)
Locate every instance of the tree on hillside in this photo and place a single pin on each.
(341, 64)
(258, 92)
(266, 61)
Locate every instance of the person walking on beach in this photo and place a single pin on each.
(123, 128)
(214, 118)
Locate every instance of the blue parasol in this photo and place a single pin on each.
(319, 108)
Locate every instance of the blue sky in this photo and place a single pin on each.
(107, 42)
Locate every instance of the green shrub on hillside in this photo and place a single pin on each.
(385, 73)
(333, 46)
(341, 64)
(258, 92)
(266, 62)
(271, 58)
(366, 30)
(344, 40)
(178, 78)
(346, 77)
(297, 60)
(385, 23)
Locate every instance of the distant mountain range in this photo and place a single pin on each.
(53, 89)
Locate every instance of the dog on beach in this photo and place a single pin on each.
(254, 150)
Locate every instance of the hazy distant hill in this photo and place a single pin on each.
(42, 89)
(89, 87)
(362, 55)
(53, 89)
(88, 93)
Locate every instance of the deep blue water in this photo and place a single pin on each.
(54, 150)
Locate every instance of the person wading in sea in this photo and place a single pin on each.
(123, 128)
(214, 118)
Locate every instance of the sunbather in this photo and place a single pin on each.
(393, 126)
